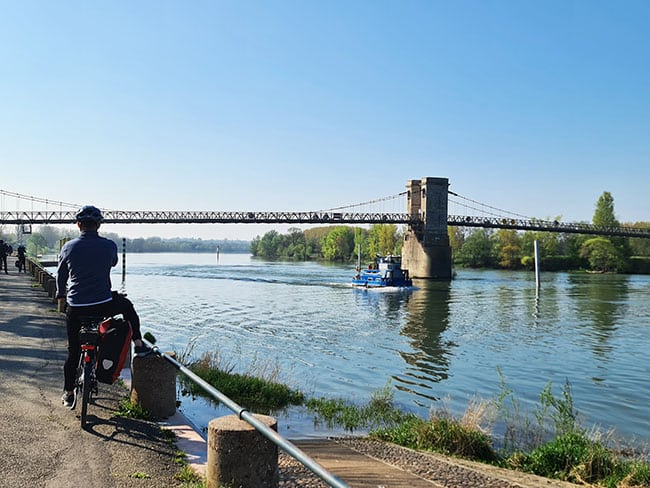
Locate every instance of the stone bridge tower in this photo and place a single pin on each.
(426, 252)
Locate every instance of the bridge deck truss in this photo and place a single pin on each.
(248, 217)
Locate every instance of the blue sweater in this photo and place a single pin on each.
(84, 268)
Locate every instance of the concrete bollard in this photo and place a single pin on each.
(50, 287)
(153, 385)
(238, 455)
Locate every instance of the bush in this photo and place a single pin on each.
(571, 457)
(443, 435)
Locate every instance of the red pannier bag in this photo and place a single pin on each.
(113, 349)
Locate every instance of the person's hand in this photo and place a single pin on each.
(60, 304)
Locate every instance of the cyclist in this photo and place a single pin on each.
(84, 271)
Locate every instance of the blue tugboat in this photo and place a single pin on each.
(386, 271)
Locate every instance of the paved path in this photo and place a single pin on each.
(42, 444)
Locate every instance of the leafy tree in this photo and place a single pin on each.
(338, 245)
(361, 241)
(137, 245)
(602, 255)
(255, 246)
(268, 245)
(604, 217)
(547, 242)
(399, 240)
(456, 238)
(640, 246)
(604, 213)
(477, 250)
(52, 235)
(507, 244)
(570, 244)
(36, 244)
(296, 245)
(313, 238)
(383, 239)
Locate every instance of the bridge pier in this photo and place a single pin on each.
(426, 252)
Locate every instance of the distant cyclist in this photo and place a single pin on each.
(83, 281)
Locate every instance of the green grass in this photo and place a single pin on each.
(132, 410)
(446, 436)
(576, 458)
(252, 392)
(379, 412)
(140, 475)
(187, 475)
(547, 440)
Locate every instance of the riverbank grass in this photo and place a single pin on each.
(260, 393)
(548, 441)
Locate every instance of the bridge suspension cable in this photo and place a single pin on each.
(34, 199)
(483, 206)
(369, 202)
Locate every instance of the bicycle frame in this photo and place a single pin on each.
(86, 382)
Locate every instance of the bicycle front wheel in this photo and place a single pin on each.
(86, 388)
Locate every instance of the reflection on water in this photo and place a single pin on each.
(438, 340)
(427, 358)
(603, 306)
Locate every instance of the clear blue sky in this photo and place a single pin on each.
(532, 106)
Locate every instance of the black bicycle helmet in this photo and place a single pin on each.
(89, 213)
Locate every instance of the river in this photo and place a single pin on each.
(439, 343)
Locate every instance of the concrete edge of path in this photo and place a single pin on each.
(188, 438)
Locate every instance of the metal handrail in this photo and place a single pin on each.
(262, 428)
(245, 415)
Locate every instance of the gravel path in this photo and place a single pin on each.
(439, 470)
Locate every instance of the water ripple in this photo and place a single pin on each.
(435, 341)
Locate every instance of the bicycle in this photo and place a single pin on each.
(104, 343)
(86, 383)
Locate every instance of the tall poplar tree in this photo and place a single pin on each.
(606, 254)
(604, 214)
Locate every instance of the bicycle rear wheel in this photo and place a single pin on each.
(86, 388)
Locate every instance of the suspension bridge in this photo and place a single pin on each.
(52, 212)
(426, 252)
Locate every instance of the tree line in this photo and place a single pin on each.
(337, 244)
(47, 240)
(472, 247)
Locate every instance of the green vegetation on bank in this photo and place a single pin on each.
(255, 393)
(335, 244)
(510, 249)
(46, 239)
(473, 248)
(547, 441)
